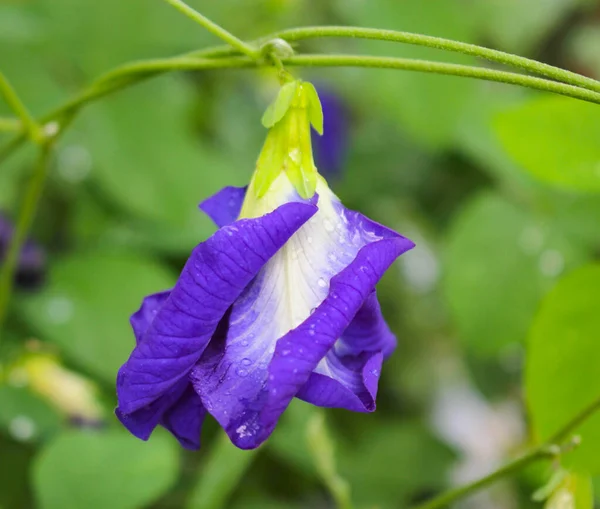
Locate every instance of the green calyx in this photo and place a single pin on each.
(288, 147)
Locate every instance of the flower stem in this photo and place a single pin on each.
(229, 38)
(9, 124)
(12, 99)
(444, 68)
(26, 216)
(548, 450)
(533, 66)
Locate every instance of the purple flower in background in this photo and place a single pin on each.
(32, 260)
(279, 303)
(331, 148)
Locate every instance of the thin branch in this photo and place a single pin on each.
(532, 66)
(443, 68)
(13, 101)
(548, 450)
(26, 216)
(224, 35)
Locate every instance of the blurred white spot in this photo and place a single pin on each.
(59, 310)
(552, 263)
(420, 266)
(531, 240)
(74, 163)
(51, 129)
(21, 428)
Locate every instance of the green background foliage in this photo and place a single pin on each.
(496, 310)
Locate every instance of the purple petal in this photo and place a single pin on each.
(184, 419)
(215, 275)
(246, 380)
(348, 375)
(143, 317)
(224, 207)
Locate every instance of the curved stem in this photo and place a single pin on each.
(443, 68)
(9, 124)
(533, 66)
(548, 450)
(28, 210)
(228, 37)
(13, 101)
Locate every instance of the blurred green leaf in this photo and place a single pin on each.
(556, 140)
(220, 475)
(14, 481)
(392, 463)
(26, 417)
(85, 307)
(499, 263)
(518, 26)
(109, 470)
(562, 363)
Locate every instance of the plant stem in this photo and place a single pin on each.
(533, 66)
(443, 68)
(229, 38)
(548, 450)
(13, 101)
(9, 124)
(26, 216)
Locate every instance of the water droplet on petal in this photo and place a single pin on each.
(241, 372)
(246, 362)
(328, 225)
(311, 332)
(322, 283)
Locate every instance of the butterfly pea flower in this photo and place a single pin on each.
(279, 303)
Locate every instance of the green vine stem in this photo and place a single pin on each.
(549, 450)
(447, 69)
(215, 58)
(532, 66)
(26, 216)
(13, 101)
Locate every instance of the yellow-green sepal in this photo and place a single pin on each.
(288, 145)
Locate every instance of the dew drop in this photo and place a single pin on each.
(244, 342)
(241, 372)
(322, 283)
(328, 225)
(285, 352)
(246, 362)
(311, 332)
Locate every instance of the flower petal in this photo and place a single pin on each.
(348, 375)
(224, 207)
(143, 317)
(215, 275)
(184, 419)
(247, 380)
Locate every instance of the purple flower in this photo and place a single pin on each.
(331, 148)
(279, 303)
(32, 260)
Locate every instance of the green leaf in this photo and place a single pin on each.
(499, 262)
(556, 140)
(110, 470)
(221, 474)
(85, 309)
(279, 107)
(148, 160)
(561, 376)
